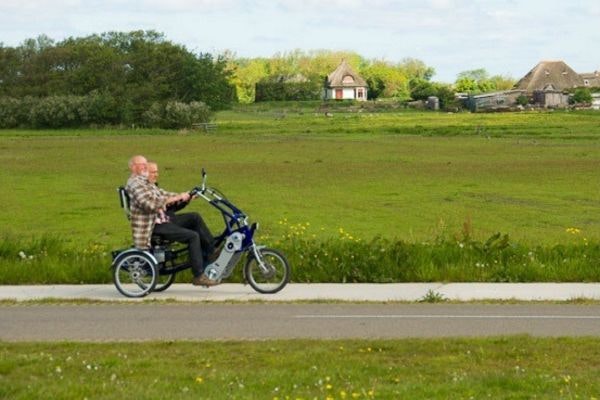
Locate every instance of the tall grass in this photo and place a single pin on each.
(51, 259)
(47, 260)
(458, 258)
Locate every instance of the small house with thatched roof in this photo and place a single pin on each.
(550, 75)
(345, 84)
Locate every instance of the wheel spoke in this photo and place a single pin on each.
(272, 276)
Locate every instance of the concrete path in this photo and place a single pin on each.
(321, 292)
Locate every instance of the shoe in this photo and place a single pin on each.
(203, 280)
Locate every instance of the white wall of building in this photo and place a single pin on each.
(347, 94)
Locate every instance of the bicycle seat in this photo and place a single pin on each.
(125, 201)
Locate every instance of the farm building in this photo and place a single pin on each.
(551, 98)
(591, 79)
(494, 100)
(345, 84)
(596, 101)
(550, 75)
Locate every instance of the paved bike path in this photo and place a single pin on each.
(384, 292)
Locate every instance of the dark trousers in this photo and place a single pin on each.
(190, 229)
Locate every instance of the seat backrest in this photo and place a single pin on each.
(125, 201)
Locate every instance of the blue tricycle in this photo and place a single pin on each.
(138, 272)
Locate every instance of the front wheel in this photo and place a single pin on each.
(272, 275)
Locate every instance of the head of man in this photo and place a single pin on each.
(138, 165)
(152, 172)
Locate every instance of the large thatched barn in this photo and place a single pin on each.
(548, 83)
(345, 84)
(550, 75)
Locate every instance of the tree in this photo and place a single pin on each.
(503, 82)
(386, 80)
(416, 69)
(582, 95)
(421, 89)
(245, 74)
(129, 70)
(474, 81)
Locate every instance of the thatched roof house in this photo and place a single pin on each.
(345, 83)
(550, 75)
(591, 79)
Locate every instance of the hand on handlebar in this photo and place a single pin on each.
(185, 197)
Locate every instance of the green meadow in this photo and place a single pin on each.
(356, 176)
(499, 368)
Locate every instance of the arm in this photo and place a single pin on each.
(176, 199)
(145, 196)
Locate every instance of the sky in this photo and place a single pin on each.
(505, 37)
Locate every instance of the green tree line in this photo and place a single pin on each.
(408, 79)
(141, 78)
(110, 78)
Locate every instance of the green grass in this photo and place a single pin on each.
(342, 259)
(409, 177)
(409, 187)
(501, 368)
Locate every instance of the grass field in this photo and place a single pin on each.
(405, 176)
(498, 368)
(421, 191)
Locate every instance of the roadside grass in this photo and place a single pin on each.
(500, 368)
(338, 260)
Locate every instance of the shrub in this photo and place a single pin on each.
(104, 109)
(59, 112)
(176, 115)
(522, 100)
(582, 95)
(9, 109)
(278, 90)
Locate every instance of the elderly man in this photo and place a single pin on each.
(148, 205)
(190, 220)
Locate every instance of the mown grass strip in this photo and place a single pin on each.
(504, 367)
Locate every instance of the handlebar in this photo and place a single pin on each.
(217, 199)
(201, 189)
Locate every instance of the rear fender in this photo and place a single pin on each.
(133, 251)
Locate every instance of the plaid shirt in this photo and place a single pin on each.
(146, 201)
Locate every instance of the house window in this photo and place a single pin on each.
(348, 79)
(586, 82)
(360, 93)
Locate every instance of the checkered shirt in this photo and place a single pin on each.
(146, 201)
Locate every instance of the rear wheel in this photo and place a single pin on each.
(272, 276)
(134, 274)
(163, 282)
